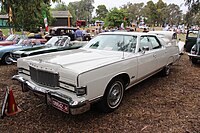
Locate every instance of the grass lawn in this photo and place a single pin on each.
(182, 37)
(7, 30)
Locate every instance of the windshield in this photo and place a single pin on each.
(20, 42)
(52, 41)
(62, 41)
(125, 43)
(10, 38)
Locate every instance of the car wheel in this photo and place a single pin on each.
(113, 96)
(194, 61)
(166, 70)
(6, 60)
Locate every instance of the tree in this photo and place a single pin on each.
(172, 14)
(116, 17)
(73, 9)
(151, 13)
(194, 5)
(101, 12)
(81, 10)
(87, 9)
(27, 15)
(160, 5)
(60, 6)
(194, 11)
(134, 10)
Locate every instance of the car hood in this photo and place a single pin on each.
(30, 50)
(10, 48)
(79, 60)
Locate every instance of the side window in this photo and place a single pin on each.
(144, 41)
(174, 36)
(154, 41)
(130, 43)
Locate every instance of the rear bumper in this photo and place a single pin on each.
(78, 106)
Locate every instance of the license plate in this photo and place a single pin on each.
(60, 105)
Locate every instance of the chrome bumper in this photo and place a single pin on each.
(77, 106)
(13, 61)
(194, 56)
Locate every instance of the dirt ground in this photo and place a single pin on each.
(157, 105)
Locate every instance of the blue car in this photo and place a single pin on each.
(22, 44)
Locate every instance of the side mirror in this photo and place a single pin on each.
(145, 48)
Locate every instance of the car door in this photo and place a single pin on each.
(158, 51)
(130, 57)
(147, 63)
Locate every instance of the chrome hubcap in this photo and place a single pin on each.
(115, 95)
(7, 60)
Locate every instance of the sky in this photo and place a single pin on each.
(117, 3)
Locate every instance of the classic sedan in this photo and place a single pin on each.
(22, 44)
(99, 72)
(55, 44)
(195, 51)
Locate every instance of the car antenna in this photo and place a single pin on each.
(123, 49)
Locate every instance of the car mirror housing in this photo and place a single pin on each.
(145, 48)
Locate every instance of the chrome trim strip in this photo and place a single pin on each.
(194, 55)
(24, 73)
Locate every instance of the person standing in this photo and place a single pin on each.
(78, 34)
(1, 35)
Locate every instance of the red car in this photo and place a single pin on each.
(14, 39)
(10, 40)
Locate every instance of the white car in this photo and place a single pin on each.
(99, 72)
(170, 37)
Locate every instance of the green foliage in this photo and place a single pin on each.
(81, 10)
(28, 15)
(134, 10)
(192, 18)
(151, 13)
(194, 5)
(115, 17)
(156, 14)
(101, 12)
(60, 6)
(160, 5)
(173, 14)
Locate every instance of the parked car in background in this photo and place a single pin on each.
(98, 72)
(22, 44)
(38, 37)
(195, 51)
(56, 43)
(191, 39)
(12, 39)
(60, 31)
(170, 37)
